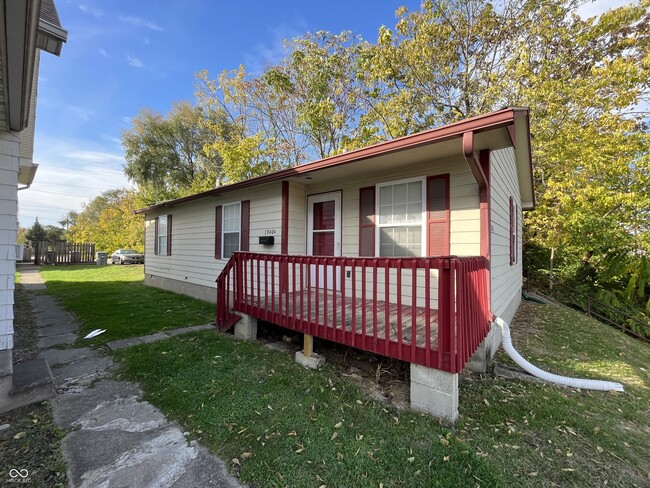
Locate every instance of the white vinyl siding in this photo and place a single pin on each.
(465, 238)
(194, 226)
(9, 150)
(297, 219)
(506, 279)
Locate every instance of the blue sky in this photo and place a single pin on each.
(123, 55)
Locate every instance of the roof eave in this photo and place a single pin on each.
(51, 37)
(477, 124)
(18, 53)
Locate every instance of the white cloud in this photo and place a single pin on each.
(272, 53)
(598, 7)
(95, 12)
(104, 53)
(70, 174)
(133, 61)
(138, 22)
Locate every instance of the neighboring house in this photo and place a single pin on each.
(355, 248)
(26, 27)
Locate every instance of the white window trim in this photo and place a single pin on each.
(162, 235)
(423, 223)
(223, 227)
(318, 198)
(516, 232)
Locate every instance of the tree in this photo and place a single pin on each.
(109, 222)
(36, 233)
(54, 233)
(165, 154)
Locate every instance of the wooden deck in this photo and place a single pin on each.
(341, 313)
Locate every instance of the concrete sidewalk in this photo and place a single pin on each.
(117, 440)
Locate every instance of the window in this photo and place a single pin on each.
(400, 209)
(231, 229)
(514, 231)
(163, 238)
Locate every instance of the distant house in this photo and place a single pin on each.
(27, 26)
(403, 248)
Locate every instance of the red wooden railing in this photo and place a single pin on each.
(225, 317)
(429, 311)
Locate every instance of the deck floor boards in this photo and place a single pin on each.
(344, 314)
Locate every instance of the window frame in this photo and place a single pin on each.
(514, 232)
(423, 221)
(164, 235)
(223, 227)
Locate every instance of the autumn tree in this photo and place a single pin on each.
(109, 222)
(164, 154)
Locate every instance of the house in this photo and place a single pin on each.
(404, 248)
(26, 27)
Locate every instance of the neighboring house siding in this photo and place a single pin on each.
(506, 278)
(9, 152)
(27, 135)
(192, 259)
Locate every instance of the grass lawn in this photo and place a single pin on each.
(277, 424)
(115, 298)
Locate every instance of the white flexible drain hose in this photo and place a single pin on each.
(582, 383)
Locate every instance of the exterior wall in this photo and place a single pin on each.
(192, 268)
(9, 152)
(464, 203)
(297, 219)
(506, 280)
(27, 135)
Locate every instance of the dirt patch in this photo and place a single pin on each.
(30, 447)
(385, 380)
(30, 443)
(25, 335)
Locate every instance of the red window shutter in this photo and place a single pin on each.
(367, 221)
(438, 215)
(155, 240)
(512, 237)
(245, 225)
(217, 231)
(169, 235)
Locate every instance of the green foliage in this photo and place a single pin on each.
(38, 233)
(114, 298)
(586, 82)
(166, 153)
(109, 222)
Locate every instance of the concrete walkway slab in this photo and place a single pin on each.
(83, 372)
(57, 329)
(56, 357)
(118, 440)
(158, 336)
(56, 340)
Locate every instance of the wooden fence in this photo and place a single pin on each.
(64, 253)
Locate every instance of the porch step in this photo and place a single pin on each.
(32, 382)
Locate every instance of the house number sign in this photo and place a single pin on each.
(269, 232)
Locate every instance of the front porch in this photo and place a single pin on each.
(431, 312)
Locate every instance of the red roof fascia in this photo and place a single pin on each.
(492, 120)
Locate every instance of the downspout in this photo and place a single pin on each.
(26, 187)
(480, 166)
(582, 383)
